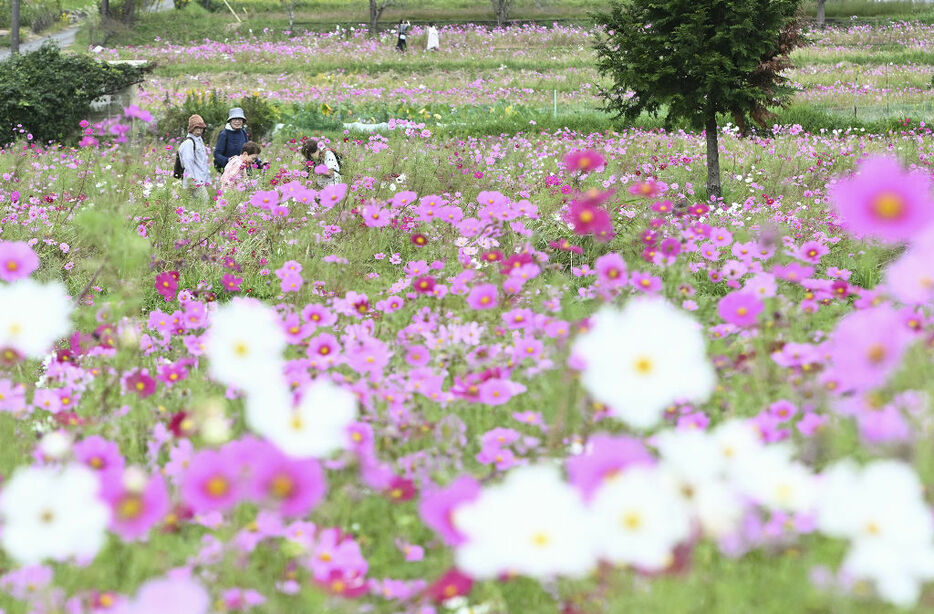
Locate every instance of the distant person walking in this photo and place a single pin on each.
(231, 139)
(434, 42)
(318, 155)
(195, 159)
(403, 34)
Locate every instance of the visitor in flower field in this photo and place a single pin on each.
(324, 161)
(434, 42)
(237, 164)
(403, 33)
(195, 159)
(231, 139)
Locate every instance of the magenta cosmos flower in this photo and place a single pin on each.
(883, 201)
(866, 347)
(740, 308)
(17, 260)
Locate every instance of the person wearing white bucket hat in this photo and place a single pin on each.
(231, 139)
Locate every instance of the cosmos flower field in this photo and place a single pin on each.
(533, 372)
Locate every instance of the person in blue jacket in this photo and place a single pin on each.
(231, 139)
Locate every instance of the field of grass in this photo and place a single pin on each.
(490, 118)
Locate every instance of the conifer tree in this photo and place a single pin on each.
(693, 59)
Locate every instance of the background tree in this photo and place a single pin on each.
(820, 13)
(376, 11)
(501, 10)
(693, 59)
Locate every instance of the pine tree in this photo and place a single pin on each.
(692, 59)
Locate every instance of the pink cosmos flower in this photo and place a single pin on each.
(483, 296)
(407, 197)
(645, 282)
(437, 507)
(604, 457)
(294, 487)
(648, 189)
(741, 308)
(291, 282)
(136, 512)
(611, 270)
(100, 455)
(231, 282)
(583, 161)
(587, 218)
(867, 347)
(177, 595)
(332, 195)
(17, 260)
(375, 216)
(167, 284)
(210, 483)
(882, 201)
(265, 199)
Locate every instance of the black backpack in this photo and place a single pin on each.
(179, 171)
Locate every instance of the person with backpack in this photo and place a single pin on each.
(231, 139)
(320, 157)
(194, 160)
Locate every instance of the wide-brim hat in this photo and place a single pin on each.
(236, 113)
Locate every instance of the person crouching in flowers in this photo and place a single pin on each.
(234, 169)
(324, 161)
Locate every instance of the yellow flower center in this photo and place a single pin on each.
(888, 206)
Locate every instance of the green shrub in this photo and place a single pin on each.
(48, 93)
(314, 117)
(213, 107)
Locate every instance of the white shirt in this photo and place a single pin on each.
(433, 40)
(330, 161)
(194, 157)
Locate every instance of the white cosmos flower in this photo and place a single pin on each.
(772, 479)
(881, 509)
(640, 518)
(53, 513)
(316, 427)
(533, 524)
(245, 344)
(641, 359)
(33, 316)
(693, 463)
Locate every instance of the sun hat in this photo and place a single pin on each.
(236, 113)
(195, 121)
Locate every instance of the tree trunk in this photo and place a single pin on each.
(713, 156)
(499, 7)
(14, 28)
(105, 8)
(291, 15)
(376, 11)
(820, 13)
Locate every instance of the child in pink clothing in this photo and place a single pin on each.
(235, 165)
